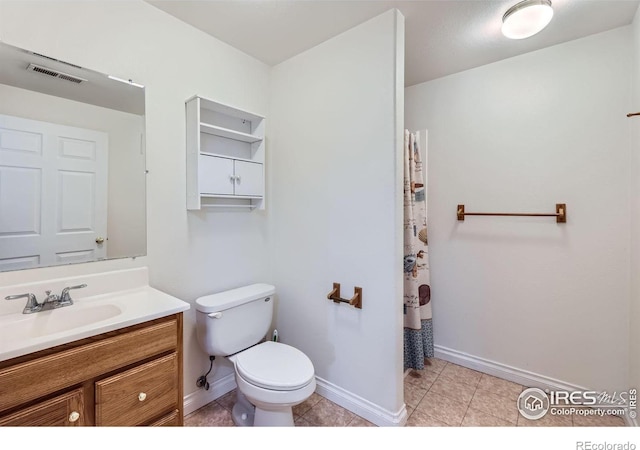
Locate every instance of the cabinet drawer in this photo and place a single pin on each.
(66, 410)
(70, 367)
(170, 420)
(138, 395)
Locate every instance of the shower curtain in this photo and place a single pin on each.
(418, 330)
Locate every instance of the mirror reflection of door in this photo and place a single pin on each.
(53, 194)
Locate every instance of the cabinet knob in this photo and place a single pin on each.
(232, 178)
(142, 396)
(237, 178)
(74, 416)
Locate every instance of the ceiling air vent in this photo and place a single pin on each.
(54, 73)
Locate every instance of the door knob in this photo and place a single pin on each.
(99, 240)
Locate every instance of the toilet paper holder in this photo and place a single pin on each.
(355, 301)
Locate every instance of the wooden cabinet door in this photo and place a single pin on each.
(66, 410)
(248, 178)
(215, 175)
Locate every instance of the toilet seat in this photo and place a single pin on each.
(275, 366)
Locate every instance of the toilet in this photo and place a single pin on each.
(272, 377)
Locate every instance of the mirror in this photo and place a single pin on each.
(72, 163)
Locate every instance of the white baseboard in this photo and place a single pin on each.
(358, 405)
(201, 397)
(520, 376)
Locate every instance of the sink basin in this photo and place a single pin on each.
(102, 311)
(29, 326)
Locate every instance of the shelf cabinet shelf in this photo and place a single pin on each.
(225, 156)
(229, 134)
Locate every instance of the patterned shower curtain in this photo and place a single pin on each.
(418, 330)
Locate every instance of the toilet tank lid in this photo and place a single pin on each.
(233, 297)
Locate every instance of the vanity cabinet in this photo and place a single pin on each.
(225, 156)
(128, 377)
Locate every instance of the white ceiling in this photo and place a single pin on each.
(442, 36)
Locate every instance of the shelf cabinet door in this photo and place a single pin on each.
(248, 178)
(215, 175)
(66, 410)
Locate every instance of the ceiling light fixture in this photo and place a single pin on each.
(526, 18)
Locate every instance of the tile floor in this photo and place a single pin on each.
(443, 394)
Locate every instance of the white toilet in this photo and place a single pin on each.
(272, 377)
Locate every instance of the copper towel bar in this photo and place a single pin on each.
(633, 114)
(560, 214)
(356, 300)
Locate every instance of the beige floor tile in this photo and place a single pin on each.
(299, 410)
(358, 421)
(422, 419)
(327, 414)
(475, 418)
(421, 378)
(442, 408)
(227, 400)
(495, 405)
(580, 420)
(500, 387)
(301, 422)
(453, 389)
(549, 420)
(461, 374)
(410, 410)
(413, 394)
(434, 364)
(211, 415)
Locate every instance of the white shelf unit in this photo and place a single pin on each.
(225, 156)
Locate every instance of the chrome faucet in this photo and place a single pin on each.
(51, 301)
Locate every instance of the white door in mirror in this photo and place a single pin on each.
(53, 193)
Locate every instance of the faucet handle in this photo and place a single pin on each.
(32, 304)
(16, 297)
(65, 297)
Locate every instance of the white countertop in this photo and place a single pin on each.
(21, 334)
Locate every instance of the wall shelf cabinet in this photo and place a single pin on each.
(225, 156)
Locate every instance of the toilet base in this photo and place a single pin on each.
(243, 412)
(283, 417)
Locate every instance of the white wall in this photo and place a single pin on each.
(335, 207)
(189, 254)
(521, 135)
(126, 214)
(634, 316)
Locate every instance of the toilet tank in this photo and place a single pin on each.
(230, 321)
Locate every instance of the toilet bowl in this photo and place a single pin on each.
(271, 377)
